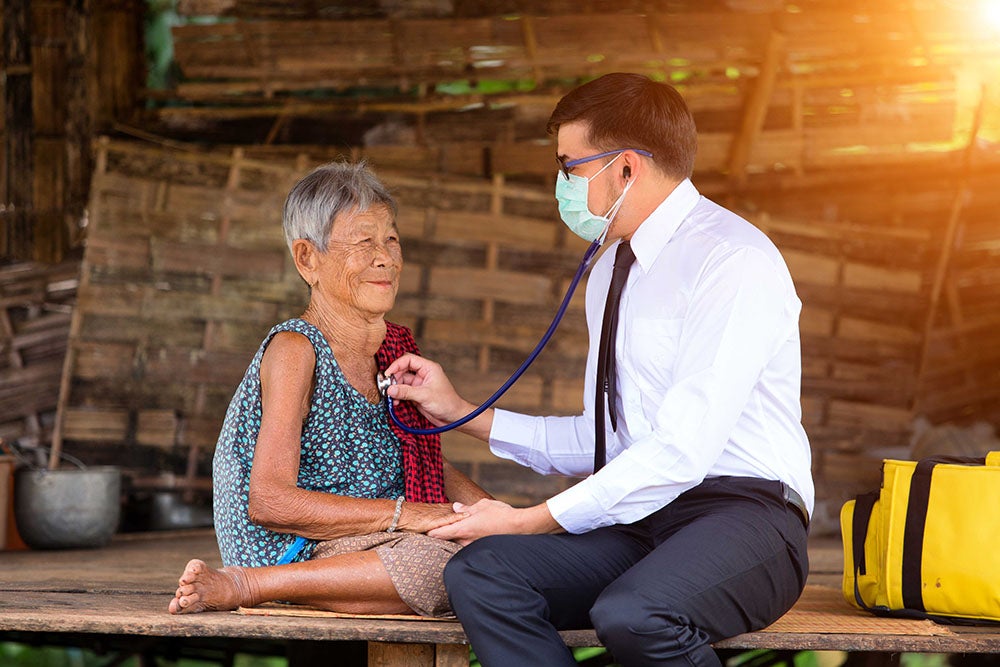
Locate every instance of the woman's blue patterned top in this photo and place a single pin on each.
(347, 449)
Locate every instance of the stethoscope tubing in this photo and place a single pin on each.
(584, 264)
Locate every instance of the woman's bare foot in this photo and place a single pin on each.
(202, 588)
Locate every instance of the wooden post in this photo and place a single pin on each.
(417, 655)
(17, 204)
(755, 111)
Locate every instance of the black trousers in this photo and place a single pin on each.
(727, 557)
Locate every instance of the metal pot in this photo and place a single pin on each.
(61, 509)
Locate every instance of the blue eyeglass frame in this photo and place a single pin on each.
(564, 167)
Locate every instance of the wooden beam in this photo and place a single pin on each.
(755, 111)
(18, 202)
(959, 203)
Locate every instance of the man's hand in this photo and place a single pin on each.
(423, 517)
(424, 382)
(493, 517)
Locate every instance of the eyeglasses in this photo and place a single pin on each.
(565, 165)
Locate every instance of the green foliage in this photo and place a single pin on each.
(13, 654)
(161, 15)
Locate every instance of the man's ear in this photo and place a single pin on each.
(630, 163)
(304, 254)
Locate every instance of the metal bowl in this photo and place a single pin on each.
(64, 509)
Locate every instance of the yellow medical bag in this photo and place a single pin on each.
(927, 544)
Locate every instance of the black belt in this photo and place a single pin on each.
(795, 500)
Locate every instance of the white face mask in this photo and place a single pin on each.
(572, 194)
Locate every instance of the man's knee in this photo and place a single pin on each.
(635, 633)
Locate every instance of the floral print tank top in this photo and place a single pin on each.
(348, 448)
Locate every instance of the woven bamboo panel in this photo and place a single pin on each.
(35, 308)
(846, 84)
(186, 269)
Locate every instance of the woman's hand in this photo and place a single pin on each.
(424, 517)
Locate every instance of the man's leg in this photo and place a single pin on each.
(730, 558)
(513, 592)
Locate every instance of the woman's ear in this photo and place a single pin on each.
(304, 254)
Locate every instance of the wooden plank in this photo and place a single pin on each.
(389, 655)
(95, 425)
(503, 229)
(501, 285)
(216, 260)
(102, 360)
(873, 417)
(157, 428)
(451, 655)
(195, 366)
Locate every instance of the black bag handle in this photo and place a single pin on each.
(863, 506)
(916, 520)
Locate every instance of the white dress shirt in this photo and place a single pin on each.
(709, 373)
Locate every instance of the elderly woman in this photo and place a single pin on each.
(318, 500)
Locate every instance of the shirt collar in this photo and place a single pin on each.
(654, 232)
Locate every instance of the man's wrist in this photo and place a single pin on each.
(537, 520)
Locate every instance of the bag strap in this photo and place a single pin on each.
(863, 506)
(916, 520)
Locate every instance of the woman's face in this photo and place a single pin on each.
(361, 265)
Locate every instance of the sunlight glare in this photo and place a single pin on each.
(991, 13)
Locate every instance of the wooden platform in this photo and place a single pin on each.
(123, 590)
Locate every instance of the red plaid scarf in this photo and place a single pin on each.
(422, 464)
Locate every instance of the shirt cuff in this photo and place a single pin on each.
(577, 510)
(508, 434)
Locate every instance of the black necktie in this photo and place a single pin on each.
(606, 381)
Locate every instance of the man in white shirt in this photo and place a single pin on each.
(692, 526)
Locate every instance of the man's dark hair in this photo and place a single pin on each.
(633, 111)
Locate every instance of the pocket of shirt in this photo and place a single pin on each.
(654, 345)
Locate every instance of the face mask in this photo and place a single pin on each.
(572, 195)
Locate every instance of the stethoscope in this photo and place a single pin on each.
(385, 382)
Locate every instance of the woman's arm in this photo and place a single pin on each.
(276, 502)
(459, 488)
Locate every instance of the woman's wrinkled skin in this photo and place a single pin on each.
(353, 283)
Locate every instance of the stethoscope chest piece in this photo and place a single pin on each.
(383, 383)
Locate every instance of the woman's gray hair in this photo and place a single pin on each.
(325, 193)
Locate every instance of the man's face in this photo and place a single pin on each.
(571, 144)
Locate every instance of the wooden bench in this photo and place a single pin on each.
(122, 591)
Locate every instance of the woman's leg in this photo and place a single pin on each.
(355, 583)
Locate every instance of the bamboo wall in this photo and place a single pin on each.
(186, 269)
(36, 302)
(862, 138)
(70, 68)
